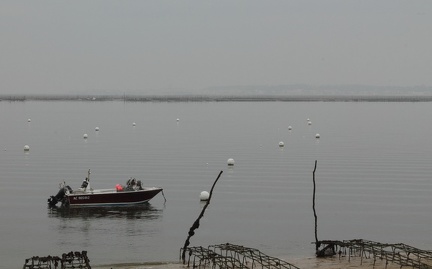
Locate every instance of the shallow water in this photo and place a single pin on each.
(373, 176)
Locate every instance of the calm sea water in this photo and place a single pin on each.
(373, 176)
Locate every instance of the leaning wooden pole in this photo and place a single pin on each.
(197, 221)
(313, 206)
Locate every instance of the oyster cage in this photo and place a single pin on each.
(232, 256)
(401, 254)
(67, 260)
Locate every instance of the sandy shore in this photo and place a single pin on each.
(302, 263)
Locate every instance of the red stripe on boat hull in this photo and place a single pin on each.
(112, 198)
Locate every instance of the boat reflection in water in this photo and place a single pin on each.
(123, 230)
(141, 211)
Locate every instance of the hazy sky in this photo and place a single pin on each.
(146, 46)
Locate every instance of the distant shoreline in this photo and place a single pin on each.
(220, 98)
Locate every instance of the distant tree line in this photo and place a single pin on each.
(221, 98)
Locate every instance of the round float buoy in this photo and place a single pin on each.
(26, 148)
(178, 119)
(289, 128)
(230, 162)
(133, 124)
(204, 196)
(281, 144)
(97, 129)
(29, 120)
(317, 136)
(85, 136)
(309, 123)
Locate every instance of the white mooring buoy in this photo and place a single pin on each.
(29, 120)
(317, 136)
(309, 123)
(133, 124)
(289, 128)
(204, 196)
(281, 144)
(97, 129)
(230, 162)
(85, 136)
(26, 148)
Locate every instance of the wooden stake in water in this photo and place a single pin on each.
(313, 206)
(197, 221)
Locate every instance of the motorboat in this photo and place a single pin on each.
(132, 193)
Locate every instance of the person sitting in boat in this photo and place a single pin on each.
(139, 185)
(131, 184)
(84, 184)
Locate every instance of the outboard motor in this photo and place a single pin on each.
(53, 200)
